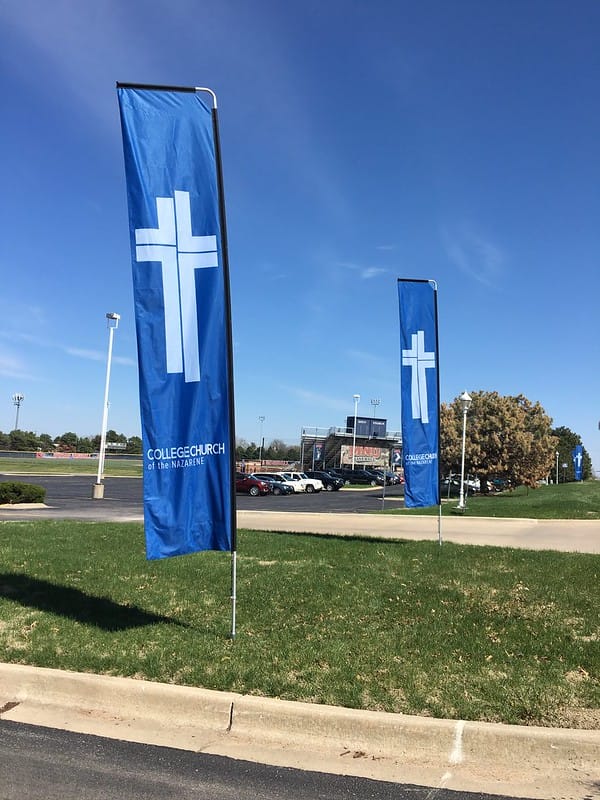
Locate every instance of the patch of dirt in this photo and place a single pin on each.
(581, 718)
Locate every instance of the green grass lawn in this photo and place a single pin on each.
(460, 632)
(562, 501)
(64, 466)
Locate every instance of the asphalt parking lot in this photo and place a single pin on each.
(70, 496)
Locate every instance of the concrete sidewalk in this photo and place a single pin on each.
(581, 536)
(468, 756)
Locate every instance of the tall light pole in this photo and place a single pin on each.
(260, 440)
(356, 398)
(557, 455)
(375, 402)
(112, 323)
(465, 403)
(17, 399)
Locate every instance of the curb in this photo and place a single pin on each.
(199, 719)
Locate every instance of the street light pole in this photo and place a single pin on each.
(17, 399)
(465, 402)
(557, 455)
(375, 403)
(356, 398)
(260, 440)
(112, 323)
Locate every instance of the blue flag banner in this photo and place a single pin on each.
(181, 297)
(419, 392)
(577, 455)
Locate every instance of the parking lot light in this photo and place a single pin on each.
(112, 323)
(465, 401)
(356, 398)
(17, 399)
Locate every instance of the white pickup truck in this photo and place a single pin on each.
(302, 483)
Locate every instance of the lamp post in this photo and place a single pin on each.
(375, 403)
(557, 455)
(356, 398)
(260, 440)
(465, 403)
(17, 399)
(112, 323)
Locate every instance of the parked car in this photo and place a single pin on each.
(380, 476)
(395, 479)
(308, 485)
(277, 485)
(330, 482)
(451, 486)
(252, 485)
(361, 476)
(392, 478)
(295, 486)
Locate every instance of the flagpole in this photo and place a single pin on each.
(228, 324)
(232, 532)
(437, 358)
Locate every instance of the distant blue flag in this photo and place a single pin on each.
(180, 295)
(419, 392)
(577, 455)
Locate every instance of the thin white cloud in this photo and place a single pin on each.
(372, 272)
(314, 398)
(364, 272)
(97, 355)
(67, 41)
(366, 358)
(77, 352)
(12, 367)
(13, 313)
(477, 257)
(28, 338)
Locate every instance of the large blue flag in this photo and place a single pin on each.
(181, 295)
(419, 392)
(577, 455)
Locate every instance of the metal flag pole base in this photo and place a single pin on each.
(440, 524)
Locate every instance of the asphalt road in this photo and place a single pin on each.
(70, 496)
(60, 765)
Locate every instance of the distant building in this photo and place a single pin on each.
(373, 445)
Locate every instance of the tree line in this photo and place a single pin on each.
(69, 442)
(508, 438)
(276, 450)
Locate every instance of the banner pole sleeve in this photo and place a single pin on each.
(225, 250)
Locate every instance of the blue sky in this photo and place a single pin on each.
(362, 142)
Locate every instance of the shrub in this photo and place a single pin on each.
(13, 492)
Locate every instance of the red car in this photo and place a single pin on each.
(249, 484)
